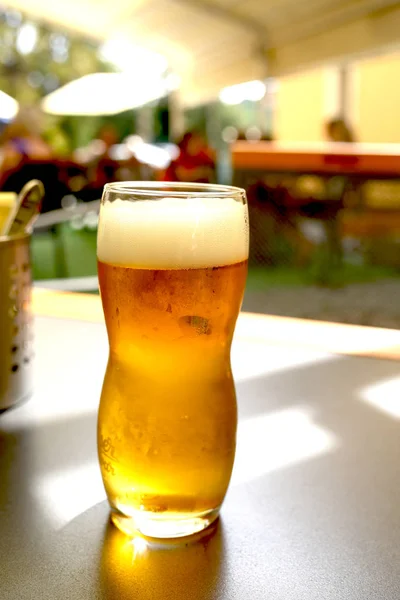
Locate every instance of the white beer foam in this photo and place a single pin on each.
(173, 233)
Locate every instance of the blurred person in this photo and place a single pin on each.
(21, 140)
(58, 141)
(274, 226)
(109, 136)
(104, 167)
(195, 162)
(337, 130)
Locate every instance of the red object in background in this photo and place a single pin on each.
(193, 166)
(195, 163)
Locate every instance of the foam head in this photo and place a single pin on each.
(173, 233)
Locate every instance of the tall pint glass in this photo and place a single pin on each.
(172, 264)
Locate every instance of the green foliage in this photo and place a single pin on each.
(55, 58)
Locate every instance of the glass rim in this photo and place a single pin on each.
(15, 237)
(163, 189)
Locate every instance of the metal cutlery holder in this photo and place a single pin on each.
(16, 328)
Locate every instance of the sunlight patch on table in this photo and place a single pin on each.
(273, 441)
(252, 359)
(384, 396)
(266, 443)
(68, 493)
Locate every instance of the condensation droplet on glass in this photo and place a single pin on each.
(13, 270)
(13, 311)
(13, 292)
(195, 324)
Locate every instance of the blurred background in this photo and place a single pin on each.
(298, 102)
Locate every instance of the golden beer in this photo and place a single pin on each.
(167, 416)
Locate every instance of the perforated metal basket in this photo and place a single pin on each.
(16, 331)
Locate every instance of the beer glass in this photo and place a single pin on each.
(172, 264)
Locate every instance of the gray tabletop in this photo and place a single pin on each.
(313, 510)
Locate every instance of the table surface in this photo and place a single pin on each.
(379, 160)
(313, 509)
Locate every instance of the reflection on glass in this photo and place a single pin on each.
(191, 568)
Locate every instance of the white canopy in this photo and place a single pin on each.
(8, 107)
(102, 94)
(216, 43)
